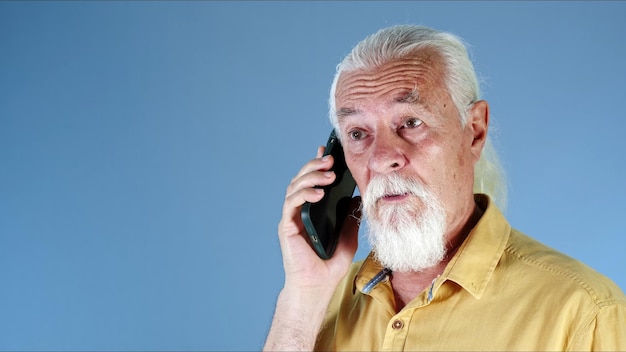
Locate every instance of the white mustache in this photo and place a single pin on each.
(392, 185)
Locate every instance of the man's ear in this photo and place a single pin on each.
(478, 121)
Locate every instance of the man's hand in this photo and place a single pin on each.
(309, 280)
(303, 268)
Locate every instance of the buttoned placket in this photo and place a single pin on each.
(399, 325)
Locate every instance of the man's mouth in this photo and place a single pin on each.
(396, 197)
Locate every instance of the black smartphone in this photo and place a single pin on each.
(323, 220)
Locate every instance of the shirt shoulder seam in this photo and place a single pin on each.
(557, 270)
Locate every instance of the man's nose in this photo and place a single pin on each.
(387, 153)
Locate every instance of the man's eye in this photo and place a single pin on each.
(412, 122)
(355, 135)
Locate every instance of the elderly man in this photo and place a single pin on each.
(447, 272)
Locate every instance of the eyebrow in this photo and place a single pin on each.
(345, 112)
(411, 97)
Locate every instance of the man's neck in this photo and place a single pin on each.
(408, 285)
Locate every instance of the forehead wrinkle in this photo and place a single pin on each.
(394, 95)
(365, 85)
(365, 80)
(415, 64)
(397, 82)
(375, 75)
(395, 89)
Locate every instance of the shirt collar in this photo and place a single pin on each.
(369, 269)
(476, 259)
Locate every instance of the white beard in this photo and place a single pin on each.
(409, 235)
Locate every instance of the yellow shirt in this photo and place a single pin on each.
(501, 291)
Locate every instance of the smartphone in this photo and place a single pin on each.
(323, 220)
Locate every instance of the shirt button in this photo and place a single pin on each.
(397, 324)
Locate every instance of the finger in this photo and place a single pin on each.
(294, 202)
(320, 151)
(319, 163)
(310, 180)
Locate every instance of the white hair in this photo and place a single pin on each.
(401, 41)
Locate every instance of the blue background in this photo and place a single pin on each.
(145, 148)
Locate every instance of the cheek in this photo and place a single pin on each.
(461, 165)
(449, 169)
(463, 169)
(359, 171)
